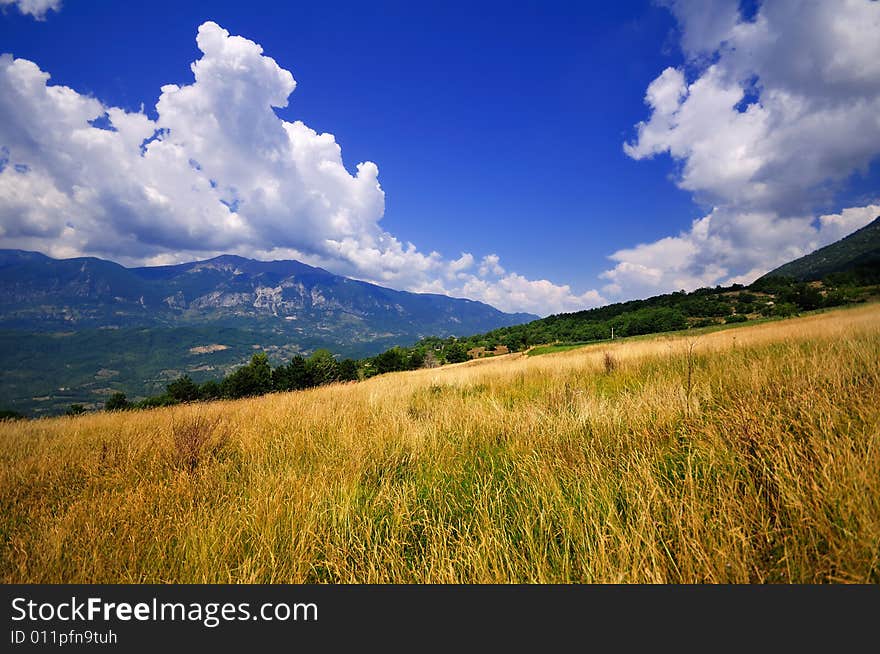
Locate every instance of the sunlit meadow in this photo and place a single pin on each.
(744, 455)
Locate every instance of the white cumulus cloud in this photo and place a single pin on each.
(217, 171)
(35, 8)
(768, 118)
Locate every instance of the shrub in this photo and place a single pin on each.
(609, 362)
(117, 402)
(785, 310)
(154, 401)
(194, 439)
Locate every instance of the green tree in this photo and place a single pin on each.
(323, 367)
(262, 372)
(183, 389)
(253, 379)
(117, 402)
(455, 353)
(804, 296)
(294, 376)
(785, 310)
(210, 390)
(348, 370)
(75, 410)
(416, 359)
(390, 361)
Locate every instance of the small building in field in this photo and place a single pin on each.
(476, 352)
(480, 352)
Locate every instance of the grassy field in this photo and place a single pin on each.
(553, 349)
(743, 455)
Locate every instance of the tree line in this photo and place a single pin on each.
(771, 297)
(257, 377)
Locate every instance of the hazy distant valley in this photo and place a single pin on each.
(72, 331)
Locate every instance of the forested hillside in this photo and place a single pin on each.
(856, 257)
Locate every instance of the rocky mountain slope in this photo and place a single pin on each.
(38, 293)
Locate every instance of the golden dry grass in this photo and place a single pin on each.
(591, 465)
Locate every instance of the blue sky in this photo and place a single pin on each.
(498, 130)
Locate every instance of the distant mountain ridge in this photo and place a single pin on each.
(859, 249)
(38, 293)
(76, 330)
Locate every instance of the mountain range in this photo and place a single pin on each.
(38, 293)
(77, 329)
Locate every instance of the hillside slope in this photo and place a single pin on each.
(859, 249)
(849, 271)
